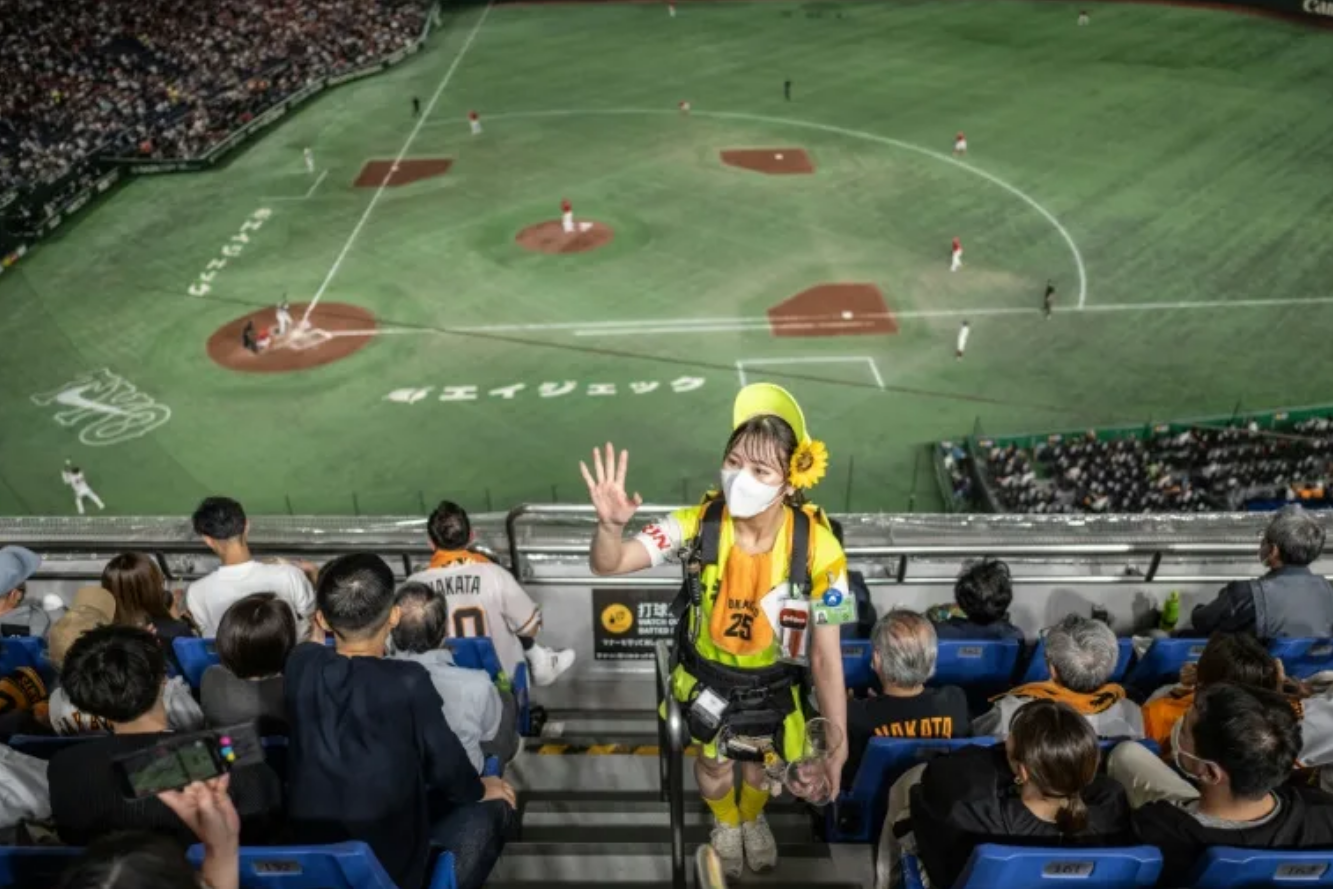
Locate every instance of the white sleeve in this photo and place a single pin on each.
(663, 540)
(303, 594)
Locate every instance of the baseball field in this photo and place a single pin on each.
(1169, 169)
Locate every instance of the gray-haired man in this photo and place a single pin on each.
(1081, 654)
(483, 721)
(904, 660)
(1290, 600)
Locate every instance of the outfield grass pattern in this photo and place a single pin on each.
(1187, 154)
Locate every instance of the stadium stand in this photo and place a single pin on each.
(1245, 462)
(157, 80)
(582, 812)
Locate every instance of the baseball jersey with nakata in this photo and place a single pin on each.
(209, 597)
(483, 599)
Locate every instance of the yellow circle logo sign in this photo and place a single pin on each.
(617, 619)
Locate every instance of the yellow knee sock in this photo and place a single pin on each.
(752, 804)
(724, 810)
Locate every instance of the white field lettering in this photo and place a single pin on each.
(235, 246)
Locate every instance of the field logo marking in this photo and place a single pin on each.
(112, 408)
(548, 389)
(743, 363)
(854, 134)
(402, 153)
(230, 250)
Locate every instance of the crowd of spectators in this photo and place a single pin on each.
(1198, 470)
(162, 79)
(387, 735)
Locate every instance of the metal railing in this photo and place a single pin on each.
(671, 756)
(898, 557)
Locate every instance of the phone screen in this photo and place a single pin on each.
(169, 768)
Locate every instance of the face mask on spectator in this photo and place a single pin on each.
(1177, 753)
(746, 495)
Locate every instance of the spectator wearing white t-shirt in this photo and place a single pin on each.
(222, 524)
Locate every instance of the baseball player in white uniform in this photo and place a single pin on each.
(284, 317)
(73, 476)
(567, 216)
(956, 252)
(963, 333)
(309, 160)
(960, 144)
(474, 122)
(484, 599)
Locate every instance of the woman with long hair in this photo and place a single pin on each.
(764, 595)
(1039, 788)
(142, 599)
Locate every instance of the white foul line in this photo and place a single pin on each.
(312, 188)
(855, 134)
(388, 174)
(810, 359)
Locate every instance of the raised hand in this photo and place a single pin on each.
(606, 487)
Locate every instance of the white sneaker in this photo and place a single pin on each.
(729, 846)
(547, 664)
(761, 850)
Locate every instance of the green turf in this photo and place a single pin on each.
(1187, 153)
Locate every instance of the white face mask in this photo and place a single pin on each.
(746, 495)
(1177, 753)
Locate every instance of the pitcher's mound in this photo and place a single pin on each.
(549, 237)
(336, 331)
(771, 161)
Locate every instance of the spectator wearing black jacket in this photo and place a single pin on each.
(1290, 600)
(903, 707)
(371, 756)
(1237, 746)
(1039, 788)
(117, 674)
(983, 593)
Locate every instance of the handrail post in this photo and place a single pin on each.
(675, 764)
(511, 534)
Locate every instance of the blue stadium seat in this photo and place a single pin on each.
(989, 663)
(492, 768)
(478, 653)
(1224, 867)
(859, 812)
(34, 867)
(1304, 657)
(195, 656)
(338, 866)
(21, 651)
(1161, 663)
(47, 746)
(999, 867)
(1038, 671)
(443, 875)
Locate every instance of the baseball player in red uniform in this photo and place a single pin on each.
(567, 216)
(474, 121)
(959, 144)
(957, 262)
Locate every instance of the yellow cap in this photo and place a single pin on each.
(758, 399)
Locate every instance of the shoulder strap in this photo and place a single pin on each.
(709, 534)
(798, 574)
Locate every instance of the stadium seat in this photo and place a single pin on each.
(1039, 671)
(195, 656)
(478, 653)
(47, 746)
(1304, 657)
(21, 651)
(859, 811)
(1161, 663)
(34, 867)
(492, 768)
(338, 866)
(1225, 867)
(988, 663)
(995, 867)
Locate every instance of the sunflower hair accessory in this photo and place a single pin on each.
(809, 463)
